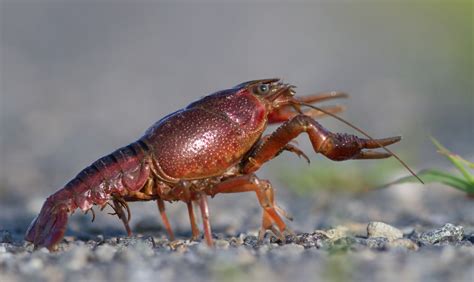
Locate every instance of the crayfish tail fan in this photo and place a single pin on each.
(48, 228)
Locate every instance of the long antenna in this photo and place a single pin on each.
(362, 132)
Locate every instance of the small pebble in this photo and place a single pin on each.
(469, 237)
(236, 241)
(447, 233)
(404, 243)
(380, 229)
(308, 240)
(378, 243)
(251, 241)
(222, 244)
(335, 233)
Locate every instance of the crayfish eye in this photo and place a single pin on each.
(262, 89)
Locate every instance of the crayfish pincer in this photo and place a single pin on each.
(212, 146)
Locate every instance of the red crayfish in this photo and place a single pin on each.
(212, 146)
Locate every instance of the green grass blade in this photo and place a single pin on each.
(456, 160)
(459, 158)
(430, 176)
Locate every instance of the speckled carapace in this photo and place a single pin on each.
(212, 146)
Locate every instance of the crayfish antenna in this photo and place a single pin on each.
(363, 133)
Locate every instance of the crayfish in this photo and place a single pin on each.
(213, 146)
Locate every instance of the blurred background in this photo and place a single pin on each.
(81, 78)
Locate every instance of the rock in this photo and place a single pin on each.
(447, 233)
(222, 244)
(335, 233)
(311, 240)
(404, 243)
(251, 241)
(237, 241)
(380, 229)
(469, 238)
(379, 243)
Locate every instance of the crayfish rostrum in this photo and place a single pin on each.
(212, 146)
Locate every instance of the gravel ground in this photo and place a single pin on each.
(374, 236)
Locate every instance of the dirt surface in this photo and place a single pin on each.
(428, 236)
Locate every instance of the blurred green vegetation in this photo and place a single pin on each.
(338, 268)
(464, 183)
(351, 176)
(227, 272)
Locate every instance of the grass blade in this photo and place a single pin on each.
(431, 175)
(456, 160)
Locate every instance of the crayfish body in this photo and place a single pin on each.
(213, 146)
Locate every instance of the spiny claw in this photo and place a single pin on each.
(375, 143)
(369, 154)
(342, 146)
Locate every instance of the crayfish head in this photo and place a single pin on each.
(272, 91)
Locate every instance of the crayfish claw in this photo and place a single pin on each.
(377, 143)
(369, 154)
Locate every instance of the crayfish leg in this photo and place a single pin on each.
(205, 219)
(192, 220)
(164, 217)
(266, 198)
(118, 208)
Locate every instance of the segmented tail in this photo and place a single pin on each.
(126, 169)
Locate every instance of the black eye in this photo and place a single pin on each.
(262, 89)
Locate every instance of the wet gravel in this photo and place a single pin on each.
(409, 248)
